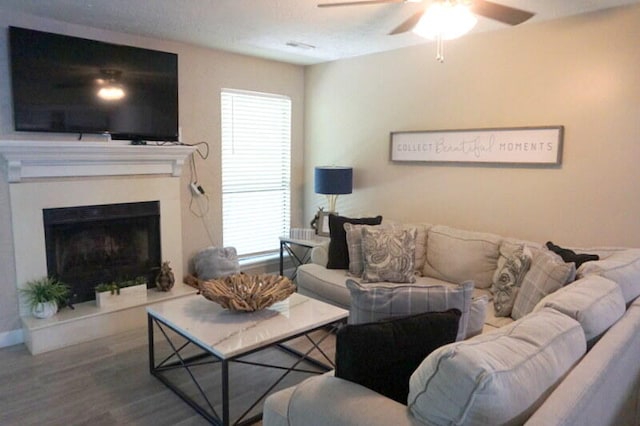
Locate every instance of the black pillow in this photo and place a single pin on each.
(382, 355)
(571, 256)
(338, 252)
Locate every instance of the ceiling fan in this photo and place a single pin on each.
(436, 18)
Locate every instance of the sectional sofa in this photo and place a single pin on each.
(561, 347)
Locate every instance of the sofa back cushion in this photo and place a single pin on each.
(594, 301)
(457, 255)
(500, 377)
(374, 302)
(619, 265)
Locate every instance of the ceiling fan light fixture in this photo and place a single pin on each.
(111, 92)
(445, 20)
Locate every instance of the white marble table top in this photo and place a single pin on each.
(229, 334)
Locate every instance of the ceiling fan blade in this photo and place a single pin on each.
(499, 12)
(359, 3)
(408, 24)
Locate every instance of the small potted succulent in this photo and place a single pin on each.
(45, 295)
(121, 292)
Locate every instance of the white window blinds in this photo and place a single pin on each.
(256, 170)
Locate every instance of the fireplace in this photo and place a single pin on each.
(51, 175)
(89, 245)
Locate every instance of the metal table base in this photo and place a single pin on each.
(177, 361)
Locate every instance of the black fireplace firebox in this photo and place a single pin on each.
(89, 245)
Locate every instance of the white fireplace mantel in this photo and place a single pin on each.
(22, 159)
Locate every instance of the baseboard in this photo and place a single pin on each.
(10, 338)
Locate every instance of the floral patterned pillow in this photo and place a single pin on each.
(389, 255)
(507, 280)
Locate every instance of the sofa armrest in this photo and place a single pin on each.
(320, 254)
(328, 400)
(604, 388)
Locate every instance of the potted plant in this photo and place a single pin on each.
(44, 296)
(121, 292)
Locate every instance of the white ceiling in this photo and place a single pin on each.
(264, 27)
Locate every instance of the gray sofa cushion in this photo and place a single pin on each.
(499, 377)
(456, 255)
(594, 301)
(323, 284)
(374, 302)
(619, 265)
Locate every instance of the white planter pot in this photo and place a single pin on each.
(44, 310)
(128, 296)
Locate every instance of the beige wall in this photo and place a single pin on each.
(203, 73)
(582, 73)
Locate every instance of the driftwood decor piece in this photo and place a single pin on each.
(247, 293)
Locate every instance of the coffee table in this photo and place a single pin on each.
(204, 340)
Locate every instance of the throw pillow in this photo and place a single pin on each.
(338, 252)
(382, 356)
(389, 255)
(215, 262)
(571, 256)
(477, 316)
(374, 302)
(507, 280)
(547, 274)
(354, 248)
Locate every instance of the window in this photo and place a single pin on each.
(256, 170)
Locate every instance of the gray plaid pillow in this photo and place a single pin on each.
(374, 302)
(547, 274)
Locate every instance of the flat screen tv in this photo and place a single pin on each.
(74, 85)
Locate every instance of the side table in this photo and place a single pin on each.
(287, 244)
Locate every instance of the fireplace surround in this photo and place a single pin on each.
(52, 175)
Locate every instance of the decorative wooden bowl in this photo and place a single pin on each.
(247, 293)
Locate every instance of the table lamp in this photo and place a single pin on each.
(333, 181)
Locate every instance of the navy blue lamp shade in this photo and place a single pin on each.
(333, 181)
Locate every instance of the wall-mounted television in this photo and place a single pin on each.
(74, 85)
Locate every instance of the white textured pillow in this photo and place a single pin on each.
(548, 273)
(594, 301)
(457, 255)
(500, 377)
(477, 316)
(373, 302)
(388, 255)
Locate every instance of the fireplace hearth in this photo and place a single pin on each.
(89, 245)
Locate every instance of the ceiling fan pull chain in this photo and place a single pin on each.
(439, 48)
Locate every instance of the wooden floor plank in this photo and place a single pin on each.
(107, 382)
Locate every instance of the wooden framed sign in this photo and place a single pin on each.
(517, 145)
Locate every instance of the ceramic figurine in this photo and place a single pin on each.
(165, 279)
